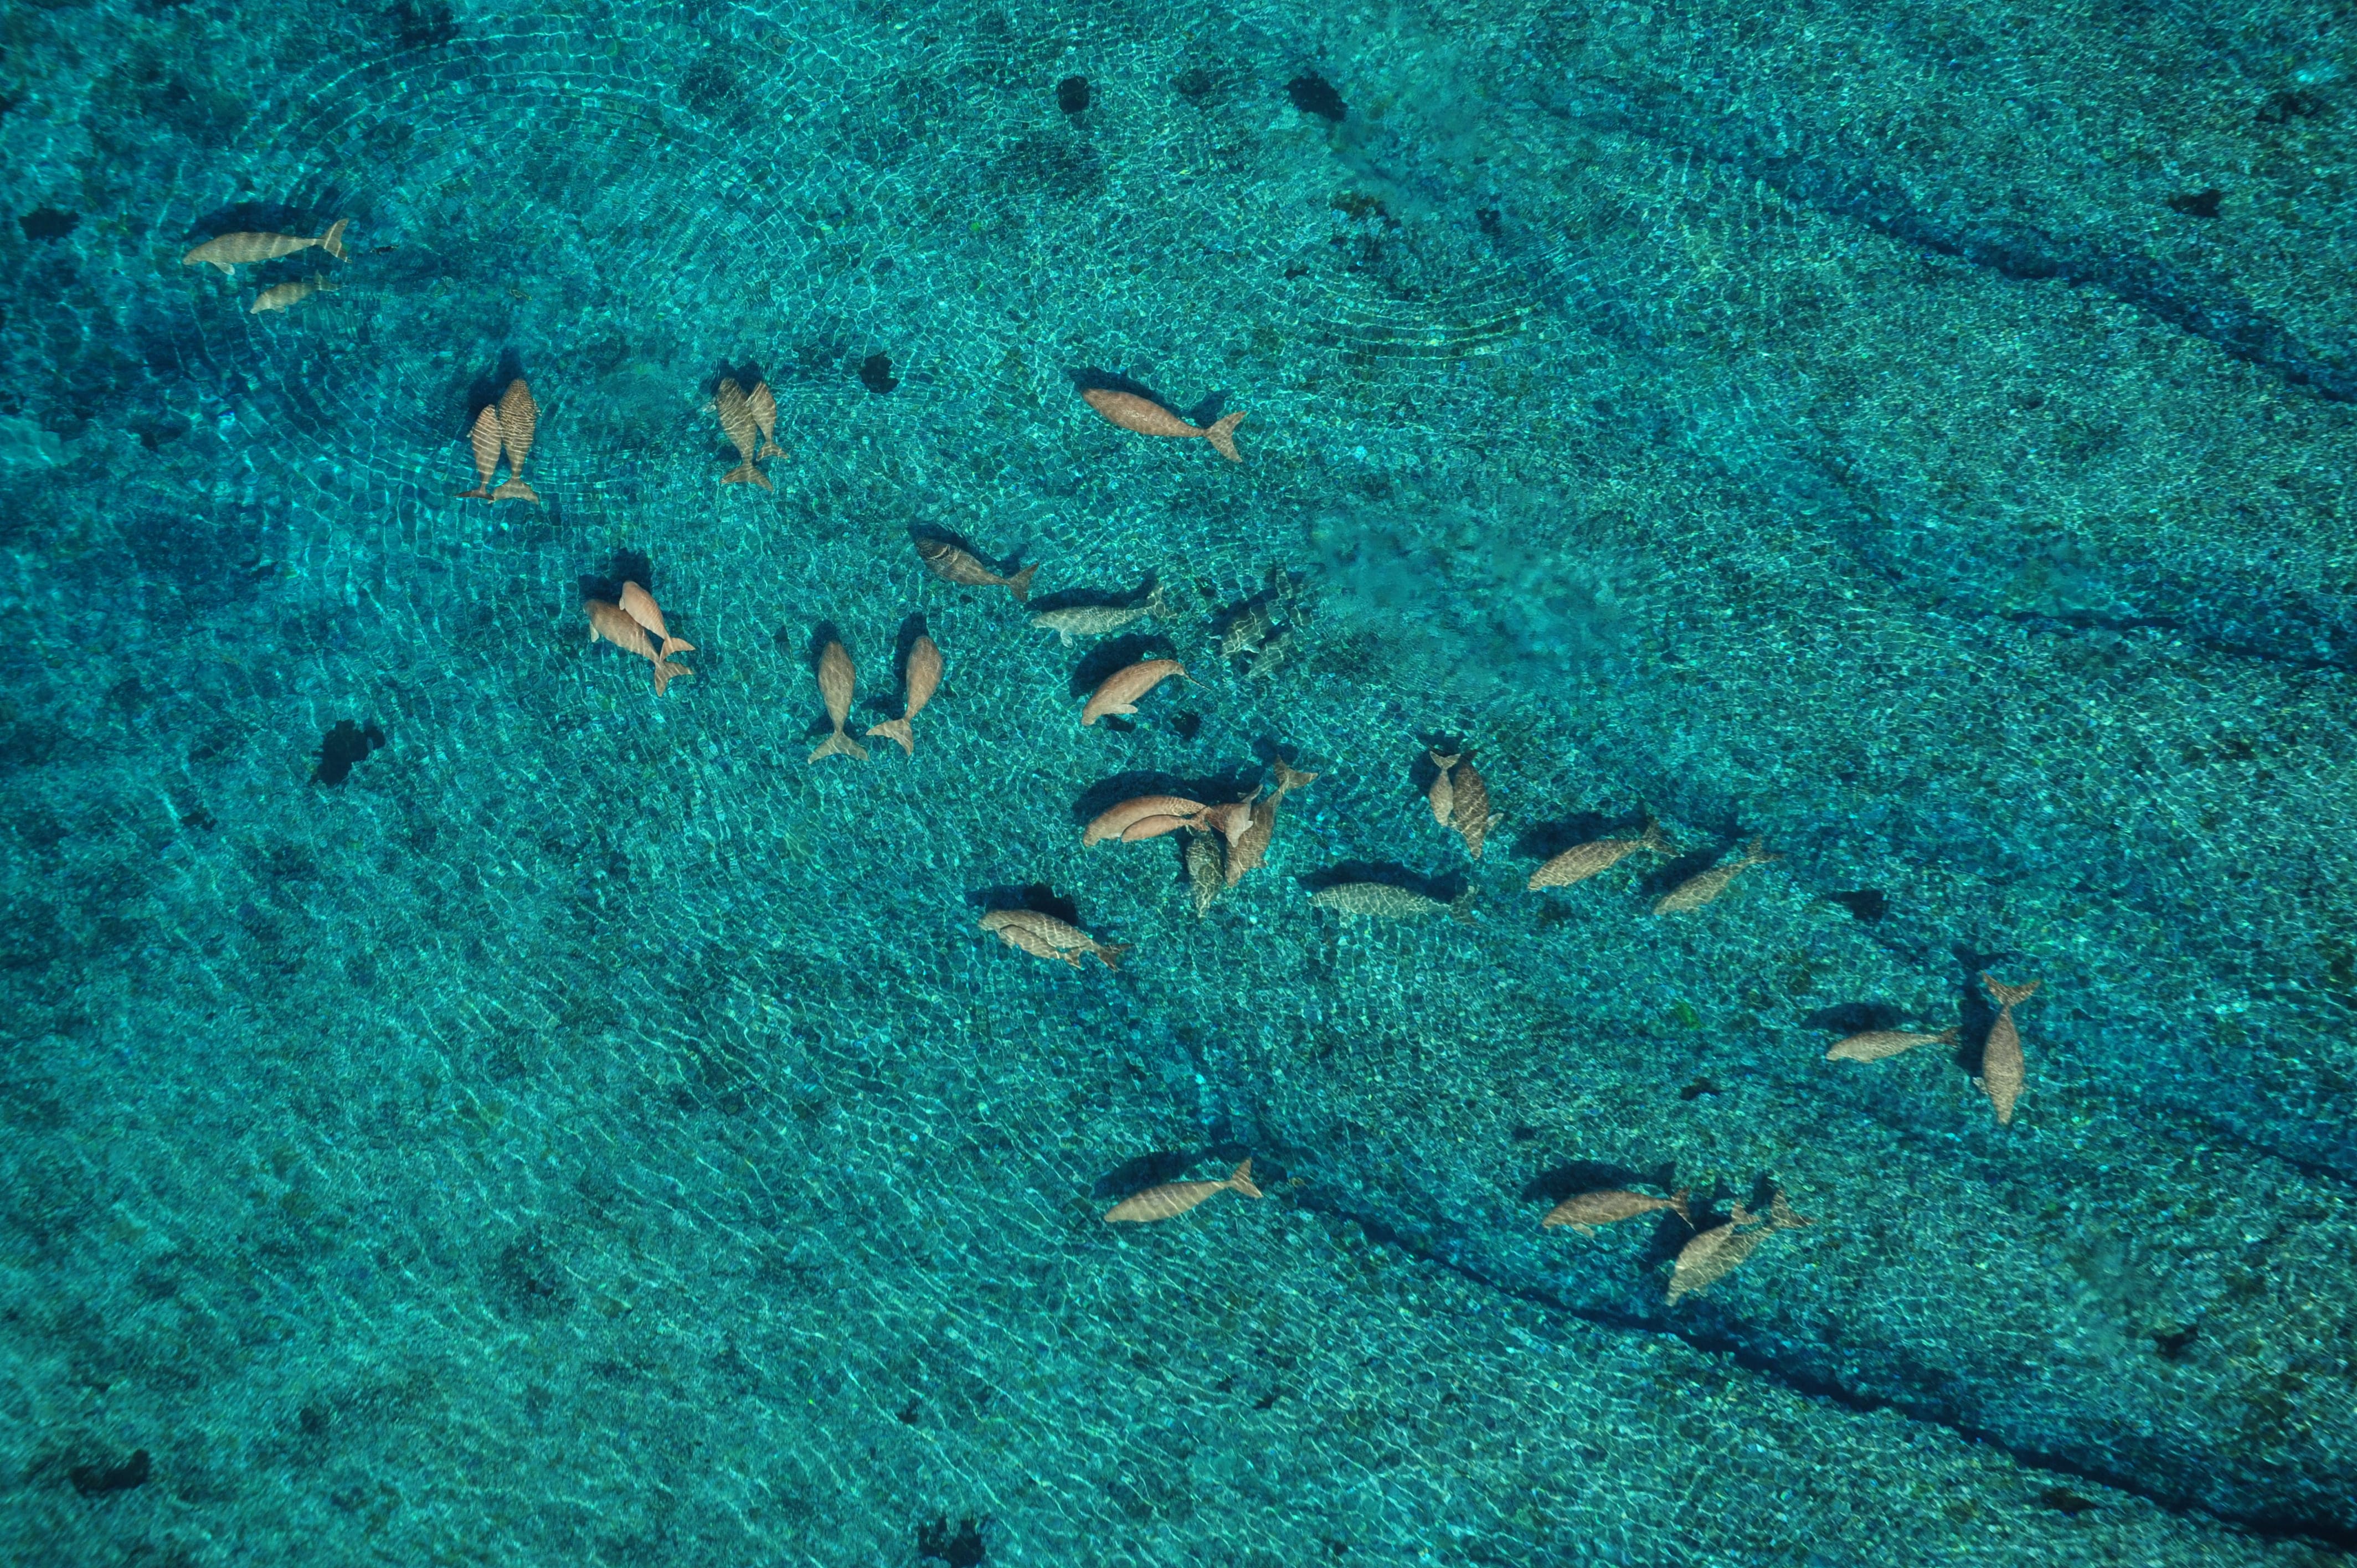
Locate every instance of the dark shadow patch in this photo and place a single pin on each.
(526, 1282)
(487, 390)
(1214, 789)
(1260, 623)
(2174, 1344)
(1270, 751)
(627, 567)
(960, 1548)
(1062, 167)
(159, 429)
(1686, 867)
(2197, 203)
(1423, 772)
(2328, 645)
(1670, 1234)
(746, 376)
(28, 743)
(47, 224)
(1038, 897)
(1186, 723)
(421, 24)
(99, 1481)
(345, 746)
(922, 534)
(710, 87)
(1975, 1014)
(904, 642)
(27, 1102)
(2065, 1502)
(814, 645)
(1444, 889)
(1867, 904)
(1216, 1158)
(1091, 598)
(213, 558)
(1848, 1018)
(713, 1079)
(2293, 103)
(876, 373)
(1699, 1087)
(195, 104)
(1073, 94)
(1545, 840)
(1088, 379)
(1120, 654)
(1106, 794)
(1135, 1176)
(718, 445)
(1198, 86)
(1560, 1182)
(268, 218)
(813, 651)
(1313, 94)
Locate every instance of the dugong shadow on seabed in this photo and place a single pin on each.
(1559, 1182)
(305, 217)
(1118, 653)
(484, 391)
(814, 650)
(626, 566)
(1423, 771)
(938, 533)
(1086, 379)
(892, 697)
(1694, 863)
(1135, 1176)
(1444, 889)
(1094, 598)
(746, 376)
(1976, 1013)
(1216, 790)
(1037, 897)
(1543, 840)
(1670, 1234)
(1846, 1018)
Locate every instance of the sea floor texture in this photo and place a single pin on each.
(580, 1130)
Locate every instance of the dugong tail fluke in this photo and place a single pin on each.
(1223, 437)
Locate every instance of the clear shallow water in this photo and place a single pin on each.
(589, 1132)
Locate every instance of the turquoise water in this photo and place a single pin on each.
(584, 1131)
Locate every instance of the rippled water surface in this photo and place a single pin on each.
(461, 1106)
